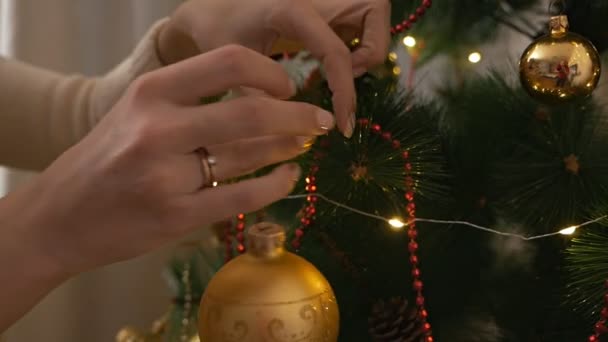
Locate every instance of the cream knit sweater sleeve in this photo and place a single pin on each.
(43, 113)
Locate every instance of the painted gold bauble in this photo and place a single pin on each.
(561, 66)
(268, 294)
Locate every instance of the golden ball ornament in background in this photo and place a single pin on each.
(561, 66)
(268, 294)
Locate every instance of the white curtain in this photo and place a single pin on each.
(87, 36)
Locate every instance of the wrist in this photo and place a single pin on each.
(23, 239)
(174, 44)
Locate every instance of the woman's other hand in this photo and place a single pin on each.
(267, 26)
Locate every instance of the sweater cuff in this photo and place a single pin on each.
(109, 89)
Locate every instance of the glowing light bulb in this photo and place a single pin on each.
(475, 57)
(396, 223)
(569, 230)
(215, 184)
(392, 56)
(396, 71)
(409, 41)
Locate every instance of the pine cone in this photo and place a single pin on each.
(394, 321)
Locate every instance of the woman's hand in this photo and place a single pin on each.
(320, 26)
(135, 183)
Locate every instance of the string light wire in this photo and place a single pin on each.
(397, 223)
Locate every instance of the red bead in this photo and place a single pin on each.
(240, 226)
(420, 301)
(396, 144)
(409, 181)
(413, 18)
(407, 26)
(409, 196)
(411, 206)
(420, 11)
(376, 128)
(429, 339)
(387, 136)
(241, 217)
(426, 327)
(414, 260)
(413, 246)
(240, 237)
(393, 31)
(314, 199)
(312, 211)
(364, 122)
(600, 328)
(412, 233)
(399, 28)
(299, 232)
(408, 167)
(314, 169)
(241, 248)
(406, 154)
(427, 3)
(604, 313)
(416, 273)
(312, 179)
(418, 285)
(296, 244)
(424, 314)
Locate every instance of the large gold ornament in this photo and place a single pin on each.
(560, 66)
(268, 294)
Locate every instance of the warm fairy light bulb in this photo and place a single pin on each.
(392, 56)
(215, 184)
(475, 57)
(409, 41)
(569, 230)
(396, 71)
(396, 223)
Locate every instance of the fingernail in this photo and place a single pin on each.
(305, 143)
(293, 87)
(325, 121)
(360, 71)
(295, 171)
(350, 126)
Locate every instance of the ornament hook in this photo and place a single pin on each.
(559, 6)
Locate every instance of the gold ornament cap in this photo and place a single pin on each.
(559, 25)
(266, 240)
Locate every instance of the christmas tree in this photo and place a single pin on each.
(528, 179)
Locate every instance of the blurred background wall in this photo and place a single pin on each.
(86, 36)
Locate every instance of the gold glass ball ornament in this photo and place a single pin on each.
(561, 66)
(268, 294)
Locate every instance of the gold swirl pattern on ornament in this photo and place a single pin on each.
(276, 326)
(314, 311)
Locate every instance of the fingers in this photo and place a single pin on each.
(246, 118)
(246, 156)
(376, 38)
(215, 204)
(298, 20)
(220, 70)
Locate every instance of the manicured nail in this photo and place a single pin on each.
(293, 87)
(350, 126)
(295, 171)
(360, 71)
(325, 121)
(305, 143)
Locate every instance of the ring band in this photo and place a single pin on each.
(208, 162)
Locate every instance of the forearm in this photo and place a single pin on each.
(26, 275)
(43, 113)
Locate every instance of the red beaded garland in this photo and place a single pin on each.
(600, 327)
(412, 18)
